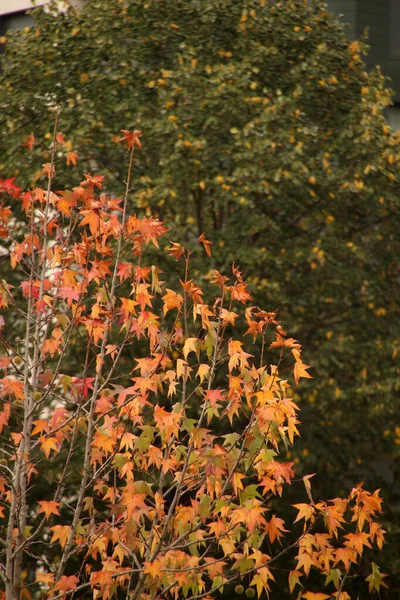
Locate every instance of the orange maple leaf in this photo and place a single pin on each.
(12, 387)
(60, 139)
(29, 143)
(66, 583)
(251, 514)
(49, 507)
(306, 512)
(48, 444)
(60, 534)
(46, 578)
(358, 541)
(154, 568)
(131, 138)
(206, 244)
(176, 250)
(171, 300)
(71, 158)
(346, 556)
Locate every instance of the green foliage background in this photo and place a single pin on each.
(261, 127)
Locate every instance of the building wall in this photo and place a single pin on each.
(381, 18)
(13, 6)
(347, 8)
(16, 6)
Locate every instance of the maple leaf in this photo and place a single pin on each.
(29, 143)
(217, 528)
(93, 218)
(182, 368)
(41, 425)
(46, 578)
(47, 444)
(124, 271)
(341, 595)
(71, 158)
(4, 418)
(376, 531)
(275, 528)
(251, 514)
(66, 201)
(66, 583)
(155, 456)
(300, 370)
(305, 561)
(315, 596)
(190, 345)
(131, 138)
(69, 294)
(294, 579)
(240, 292)
(166, 421)
(8, 186)
(93, 180)
(83, 385)
(172, 300)
(60, 534)
(219, 279)
(346, 555)
(60, 139)
(307, 485)
(104, 579)
(147, 230)
(375, 579)
(237, 482)
(228, 317)
(176, 250)
(154, 568)
(12, 387)
(281, 471)
(5, 361)
(333, 514)
(358, 541)
(48, 507)
(202, 372)
(260, 580)
(306, 512)
(51, 346)
(193, 290)
(206, 244)
(212, 396)
(49, 170)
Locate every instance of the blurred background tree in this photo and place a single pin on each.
(263, 128)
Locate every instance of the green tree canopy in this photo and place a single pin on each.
(261, 127)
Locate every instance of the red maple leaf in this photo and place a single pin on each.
(70, 294)
(213, 396)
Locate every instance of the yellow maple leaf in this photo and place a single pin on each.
(300, 370)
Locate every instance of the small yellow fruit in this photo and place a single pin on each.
(239, 589)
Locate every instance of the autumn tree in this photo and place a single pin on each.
(264, 129)
(144, 496)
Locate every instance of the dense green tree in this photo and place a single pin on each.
(263, 128)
